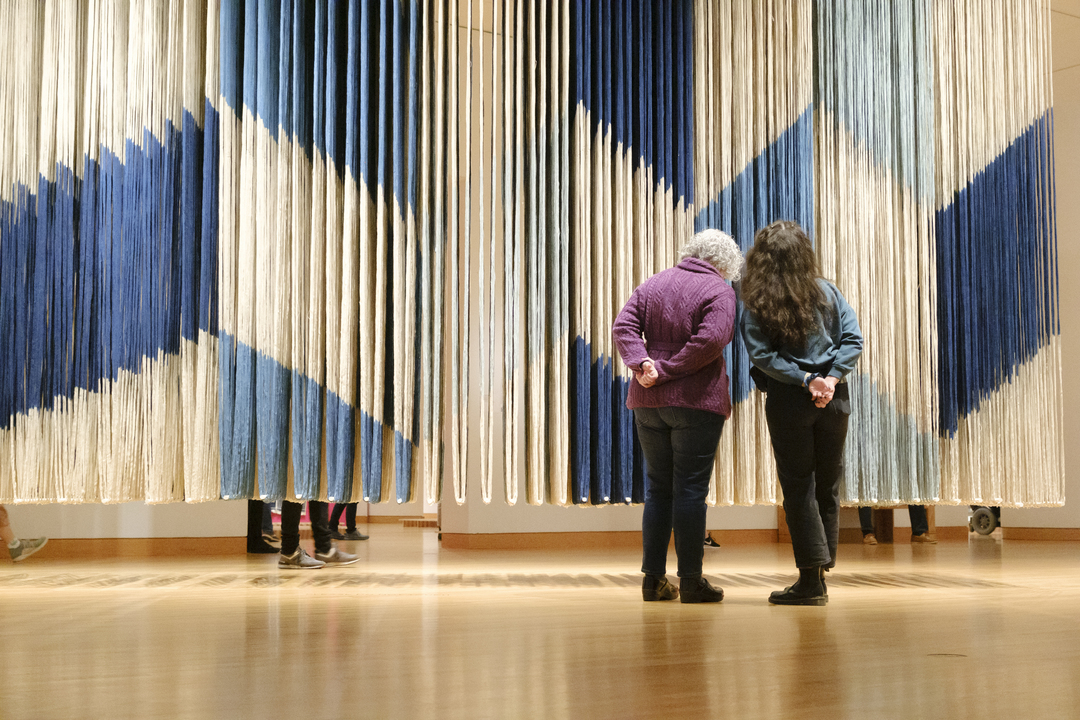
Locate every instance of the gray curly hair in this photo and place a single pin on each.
(718, 249)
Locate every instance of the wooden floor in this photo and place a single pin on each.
(971, 629)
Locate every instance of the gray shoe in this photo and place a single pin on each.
(354, 535)
(299, 560)
(26, 548)
(336, 557)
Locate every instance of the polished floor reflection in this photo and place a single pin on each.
(963, 629)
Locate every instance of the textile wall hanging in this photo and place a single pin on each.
(357, 249)
(935, 216)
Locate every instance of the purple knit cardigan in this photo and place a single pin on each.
(687, 316)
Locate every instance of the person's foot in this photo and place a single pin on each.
(299, 560)
(354, 535)
(809, 589)
(657, 587)
(261, 547)
(699, 590)
(336, 557)
(709, 542)
(26, 548)
(271, 537)
(869, 539)
(923, 538)
(336, 535)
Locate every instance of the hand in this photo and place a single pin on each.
(822, 389)
(648, 375)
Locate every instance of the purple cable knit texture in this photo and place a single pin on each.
(687, 316)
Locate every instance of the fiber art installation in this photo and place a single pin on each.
(372, 249)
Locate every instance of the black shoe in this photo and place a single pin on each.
(657, 587)
(709, 542)
(354, 535)
(261, 547)
(699, 590)
(809, 589)
(336, 535)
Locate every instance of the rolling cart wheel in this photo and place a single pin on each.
(983, 521)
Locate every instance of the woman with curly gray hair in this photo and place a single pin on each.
(672, 334)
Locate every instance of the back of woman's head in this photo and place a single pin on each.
(780, 283)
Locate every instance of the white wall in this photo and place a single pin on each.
(224, 518)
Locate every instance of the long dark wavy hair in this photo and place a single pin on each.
(780, 284)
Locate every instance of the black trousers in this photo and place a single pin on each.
(350, 516)
(808, 443)
(290, 526)
(255, 510)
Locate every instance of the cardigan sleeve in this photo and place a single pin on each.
(628, 328)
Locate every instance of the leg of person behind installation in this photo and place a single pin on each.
(351, 533)
(294, 557)
(920, 525)
(18, 548)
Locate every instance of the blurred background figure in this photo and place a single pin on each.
(18, 549)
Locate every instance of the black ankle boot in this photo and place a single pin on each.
(657, 587)
(699, 590)
(809, 589)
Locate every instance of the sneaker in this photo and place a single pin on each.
(354, 535)
(923, 538)
(709, 542)
(299, 560)
(869, 539)
(26, 548)
(271, 537)
(336, 535)
(261, 547)
(336, 557)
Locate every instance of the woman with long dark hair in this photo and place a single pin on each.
(672, 333)
(803, 335)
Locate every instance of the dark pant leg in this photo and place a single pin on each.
(320, 529)
(290, 526)
(830, 432)
(790, 413)
(335, 515)
(920, 525)
(254, 523)
(350, 517)
(866, 520)
(694, 437)
(267, 520)
(654, 436)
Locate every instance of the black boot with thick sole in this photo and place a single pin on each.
(657, 587)
(699, 590)
(809, 589)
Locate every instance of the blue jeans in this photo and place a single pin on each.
(808, 444)
(920, 524)
(680, 448)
